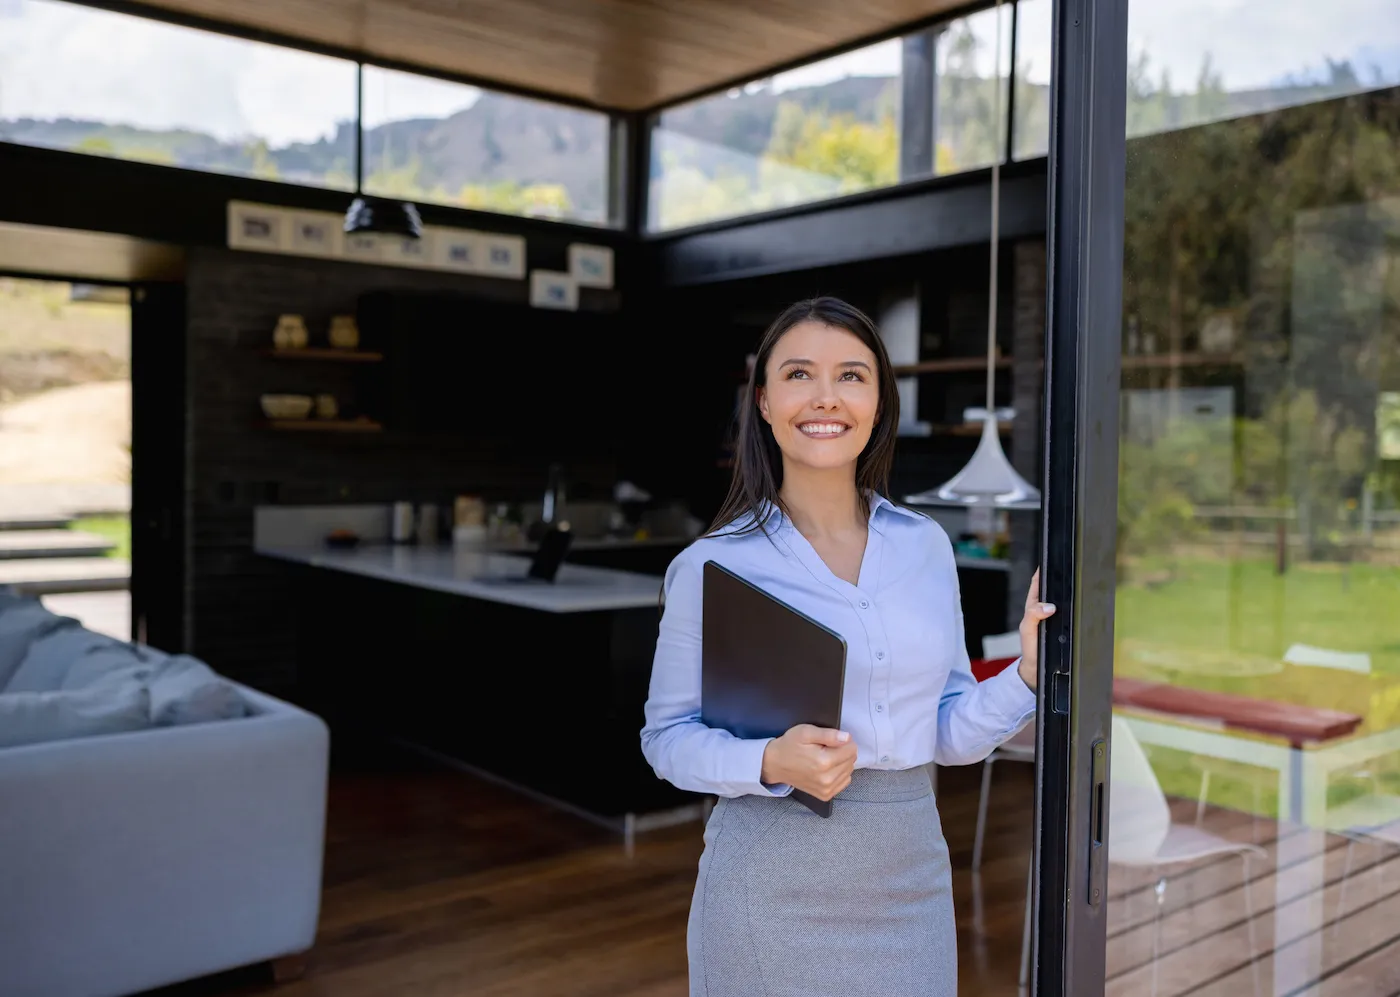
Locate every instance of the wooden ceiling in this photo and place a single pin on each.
(621, 54)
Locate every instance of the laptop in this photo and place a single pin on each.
(766, 667)
(544, 565)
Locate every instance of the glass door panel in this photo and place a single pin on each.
(1254, 824)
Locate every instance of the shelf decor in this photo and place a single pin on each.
(988, 480)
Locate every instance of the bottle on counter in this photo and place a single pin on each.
(401, 523)
(468, 520)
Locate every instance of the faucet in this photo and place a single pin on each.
(553, 496)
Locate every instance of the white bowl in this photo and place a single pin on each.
(286, 406)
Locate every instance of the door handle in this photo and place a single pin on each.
(1098, 821)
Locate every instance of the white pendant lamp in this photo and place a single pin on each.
(988, 479)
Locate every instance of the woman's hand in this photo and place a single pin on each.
(816, 760)
(1036, 613)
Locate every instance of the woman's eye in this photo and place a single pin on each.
(852, 375)
(793, 374)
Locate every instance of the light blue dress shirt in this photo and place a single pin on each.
(910, 696)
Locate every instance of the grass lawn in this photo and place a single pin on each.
(1224, 625)
(114, 528)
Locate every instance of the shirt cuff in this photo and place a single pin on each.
(750, 771)
(1009, 696)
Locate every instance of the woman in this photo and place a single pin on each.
(788, 904)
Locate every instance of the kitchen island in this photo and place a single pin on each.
(539, 685)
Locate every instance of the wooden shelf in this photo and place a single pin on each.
(329, 353)
(324, 425)
(949, 366)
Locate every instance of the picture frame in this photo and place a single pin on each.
(553, 289)
(460, 250)
(363, 247)
(503, 256)
(315, 233)
(257, 227)
(591, 266)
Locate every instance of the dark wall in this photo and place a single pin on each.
(240, 609)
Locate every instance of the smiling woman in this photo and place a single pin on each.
(859, 904)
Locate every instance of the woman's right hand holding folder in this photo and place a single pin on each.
(816, 760)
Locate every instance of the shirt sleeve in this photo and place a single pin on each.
(975, 717)
(681, 749)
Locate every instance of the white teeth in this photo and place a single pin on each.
(822, 428)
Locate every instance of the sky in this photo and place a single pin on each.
(62, 60)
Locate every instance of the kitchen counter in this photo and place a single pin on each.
(468, 571)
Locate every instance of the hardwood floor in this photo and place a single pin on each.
(442, 885)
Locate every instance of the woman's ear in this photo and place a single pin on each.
(761, 397)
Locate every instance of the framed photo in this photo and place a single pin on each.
(592, 266)
(552, 289)
(503, 256)
(315, 233)
(458, 249)
(407, 252)
(364, 247)
(257, 227)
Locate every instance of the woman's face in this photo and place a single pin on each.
(822, 398)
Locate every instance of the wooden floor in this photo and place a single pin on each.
(442, 885)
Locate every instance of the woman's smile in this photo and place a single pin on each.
(825, 430)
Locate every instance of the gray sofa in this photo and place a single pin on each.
(157, 822)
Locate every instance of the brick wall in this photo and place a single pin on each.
(1027, 379)
(241, 609)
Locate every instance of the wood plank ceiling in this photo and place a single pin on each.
(620, 54)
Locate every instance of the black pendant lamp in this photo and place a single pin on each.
(376, 215)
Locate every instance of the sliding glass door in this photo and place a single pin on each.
(1223, 502)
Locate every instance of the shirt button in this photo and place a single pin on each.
(879, 707)
(884, 758)
(865, 604)
(880, 655)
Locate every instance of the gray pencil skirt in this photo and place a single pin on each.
(788, 904)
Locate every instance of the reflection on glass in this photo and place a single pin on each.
(1255, 818)
(91, 81)
(1030, 121)
(431, 140)
(970, 135)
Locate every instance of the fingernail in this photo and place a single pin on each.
(843, 737)
(1047, 607)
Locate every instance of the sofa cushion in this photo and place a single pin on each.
(53, 657)
(23, 620)
(118, 702)
(185, 690)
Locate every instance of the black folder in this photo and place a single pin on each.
(765, 667)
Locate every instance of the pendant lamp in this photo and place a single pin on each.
(988, 479)
(376, 215)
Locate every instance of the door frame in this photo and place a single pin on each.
(1084, 275)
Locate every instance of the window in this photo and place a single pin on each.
(449, 143)
(838, 126)
(1030, 125)
(92, 81)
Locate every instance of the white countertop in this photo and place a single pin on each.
(467, 572)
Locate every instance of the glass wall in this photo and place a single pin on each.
(432, 140)
(85, 80)
(831, 128)
(1254, 830)
(92, 81)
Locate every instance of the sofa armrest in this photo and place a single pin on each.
(132, 860)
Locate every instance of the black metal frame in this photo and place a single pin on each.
(1080, 488)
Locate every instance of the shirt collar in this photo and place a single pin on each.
(879, 502)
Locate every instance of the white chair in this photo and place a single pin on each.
(1141, 833)
(1020, 748)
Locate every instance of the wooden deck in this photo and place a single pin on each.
(441, 885)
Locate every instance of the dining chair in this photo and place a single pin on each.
(1020, 748)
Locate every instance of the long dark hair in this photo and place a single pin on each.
(758, 461)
